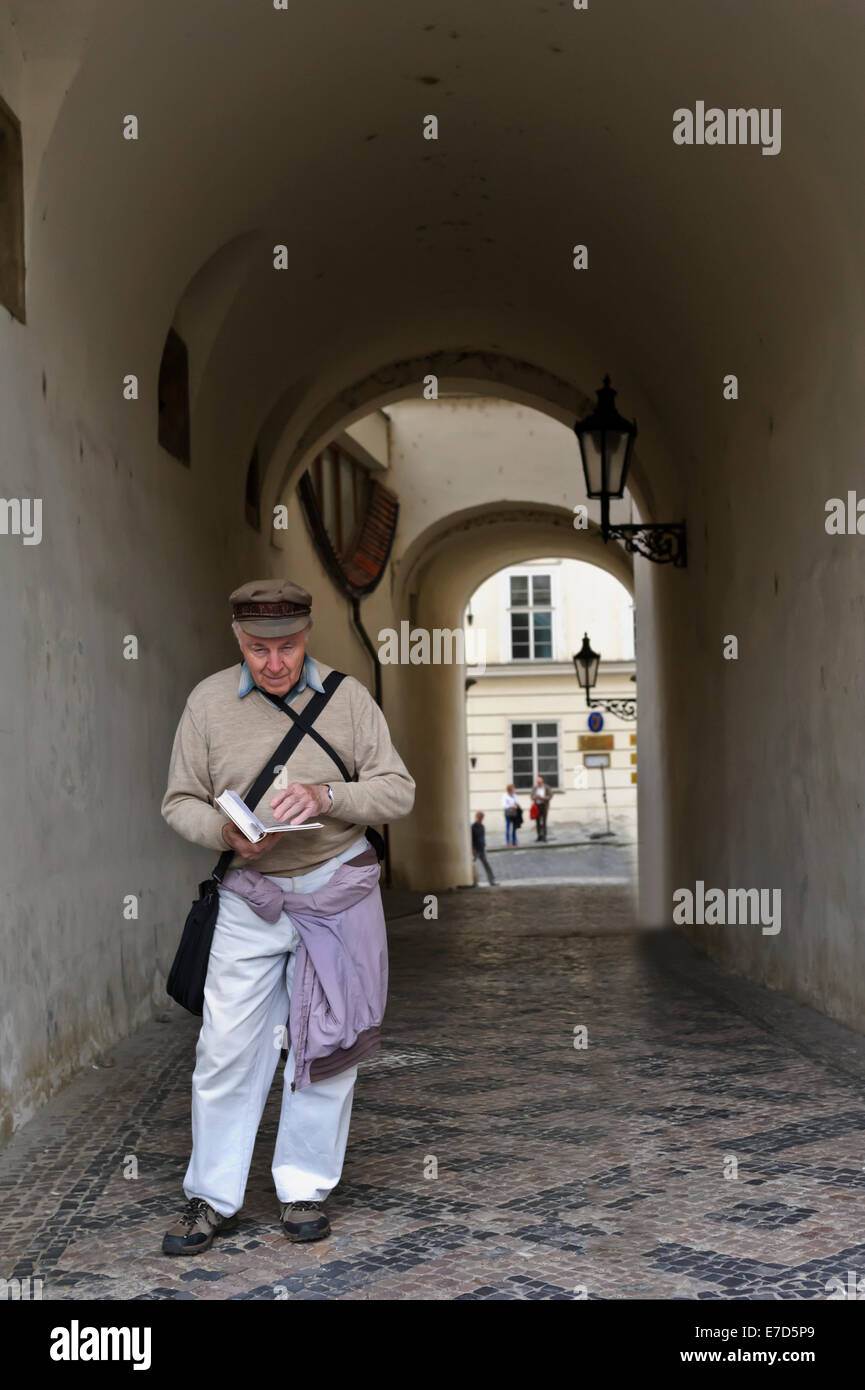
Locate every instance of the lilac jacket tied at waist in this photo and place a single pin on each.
(340, 981)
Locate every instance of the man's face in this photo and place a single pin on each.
(275, 662)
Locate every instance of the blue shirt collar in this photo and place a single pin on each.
(309, 676)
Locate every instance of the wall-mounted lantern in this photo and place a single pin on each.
(586, 663)
(606, 441)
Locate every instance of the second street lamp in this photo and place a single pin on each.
(586, 663)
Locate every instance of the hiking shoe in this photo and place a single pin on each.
(195, 1229)
(304, 1221)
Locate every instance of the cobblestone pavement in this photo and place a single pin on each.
(622, 822)
(604, 1172)
(597, 863)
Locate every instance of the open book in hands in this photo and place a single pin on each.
(237, 810)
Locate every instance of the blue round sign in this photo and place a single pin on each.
(596, 721)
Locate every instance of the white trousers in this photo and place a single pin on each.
(244, 1026)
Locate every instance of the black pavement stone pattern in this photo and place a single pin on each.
(706, 1144)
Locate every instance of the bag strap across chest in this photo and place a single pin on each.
(281, 755)
(303, 722)
(303, 725)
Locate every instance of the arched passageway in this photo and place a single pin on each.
(200, 292)
(437, 577)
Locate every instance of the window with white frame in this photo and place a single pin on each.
(531, 612)
(534, 753)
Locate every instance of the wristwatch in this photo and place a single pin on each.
(330, 794)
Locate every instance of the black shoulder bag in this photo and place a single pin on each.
(185, 983)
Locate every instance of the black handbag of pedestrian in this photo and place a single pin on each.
(186, 978)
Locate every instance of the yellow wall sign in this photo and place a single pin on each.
(595, 741)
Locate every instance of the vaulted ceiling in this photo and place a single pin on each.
(304, 127)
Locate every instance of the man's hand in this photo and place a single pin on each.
(299, 802)
(236, 840)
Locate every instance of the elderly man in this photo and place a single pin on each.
(233, 722)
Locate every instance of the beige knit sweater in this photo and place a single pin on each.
(223, 741)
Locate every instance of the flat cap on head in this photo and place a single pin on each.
(271, 607)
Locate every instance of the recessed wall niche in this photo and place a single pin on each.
(11, 214)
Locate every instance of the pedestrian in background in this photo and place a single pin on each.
(513, 815)
(541, 798)
(479, 844)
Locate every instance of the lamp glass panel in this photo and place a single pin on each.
(617, 453)
(587, 672)
(592, 448)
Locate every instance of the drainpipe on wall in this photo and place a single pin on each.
(365, 638)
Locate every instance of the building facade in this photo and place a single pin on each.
(527, 715)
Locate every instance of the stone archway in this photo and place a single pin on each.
(302, 436)
(426, 704)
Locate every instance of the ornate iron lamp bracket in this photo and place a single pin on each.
(622, 709)
(657, 541)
